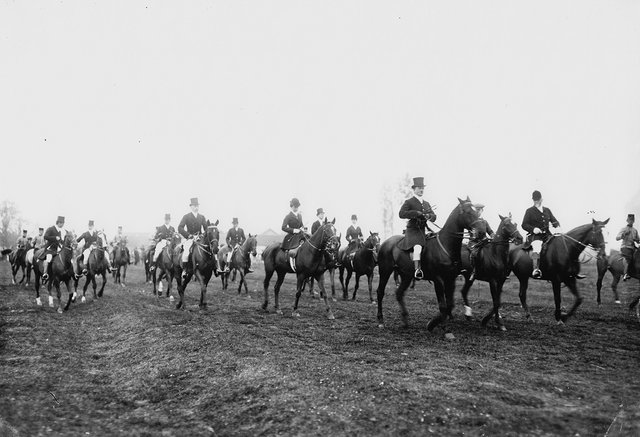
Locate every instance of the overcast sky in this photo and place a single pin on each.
(120, 111)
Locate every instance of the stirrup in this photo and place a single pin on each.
(536, 274)
(418, 274)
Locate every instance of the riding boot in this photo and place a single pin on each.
(418, 273)
(536, 274)
(292, 258)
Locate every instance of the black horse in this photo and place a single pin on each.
(60, 270)
(614, 264)
(241, 261)
(310, 262)
(331, 260)
(18, 260)
(121, 260)
(492, 266)
(559, 263)
(363, 263)
(96, 265)
(203, 264)
(440, 260)
(165, 266)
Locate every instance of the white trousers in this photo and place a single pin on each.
(417, 251)
(159, 247)
(186, 247)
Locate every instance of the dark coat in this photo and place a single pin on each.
(353, 233)
(418, 213)
(315, 226)
(292, 221)
(164, 233)
(190, 225)
(88, 238)
(53, 238)
(533, 218)
(235, 236)
(480, 231)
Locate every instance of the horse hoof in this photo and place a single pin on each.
(331, 316)
(381, 325)
(38, 302)
(59, 310)
(279, 312)
(295, 314)
(560, 323)
(171, 299)
(617, 302)
(468, 312)
(373, 302)
(83, 299)
(503, 328)
(449, 336)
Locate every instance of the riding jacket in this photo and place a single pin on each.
(90, 237)
(192, 225)
(164, 233)
(353, 233)
(53, 238)
(291, 222)
(235, 237)
(534, 218)
(418, 212)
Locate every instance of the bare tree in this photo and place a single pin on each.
(10, 225)
(393, 195)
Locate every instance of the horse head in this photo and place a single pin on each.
(252, 244)
(212, 236)
(69, 240)
(328, 238)
(508, 230)
(596, 238)
(466, 214)
(373, 242)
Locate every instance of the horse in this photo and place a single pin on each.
(614, 264)
(310, 262)
(440, 261)
(363, 263)
(120, 260)
(96, 265)
(634, 272)
(18, 262)
(146, 261)
(203, 264)
(331, 259)
(222, 263)
(60, 270)
(240, 260)
(491, 265)
(166, 266)
(559, 264)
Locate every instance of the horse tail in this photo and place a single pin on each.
(385, 256)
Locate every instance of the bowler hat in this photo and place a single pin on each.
(536, 195)
(90, 222)
(294, 202)
(167, 216)
(234, 221)
(418, 182)
(194, 201)
(354, 217)
(631, 216)
(319, 211)
(60, 219)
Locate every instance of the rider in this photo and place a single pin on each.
(191, 225)
(629, 237)
(53, 237)
(480, 235)
(316, 225)
(292, 225)
(23, 242)
(418, 211)
(163, 234)
(90, 237)
(38, 242)
(353, 237)
(121, 239)
(235, 238)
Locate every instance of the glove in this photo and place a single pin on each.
(296, 231)
(537, 231)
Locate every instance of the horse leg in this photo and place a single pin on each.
(59, 294)
(37, 287)
(276, 291)
(323, 295)
(332, 277)
(241, 282)
(572, 286)
(311, 284)
(49, 288)
(182, 284)
(356, 286)
(169, 284)
(70, 293)
(601, 273)
(204, 280)
(370, 285)
(385, 274)
(124, 276)
(104, 282)
(267, 279)
(614, 285)
(84, 288)
(405, 282)
(300, 281)
(345, 293)
(495, 297)
(439, 286)
(557, 298)
(468, 313)
(524, 285)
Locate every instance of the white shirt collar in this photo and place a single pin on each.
(195, 214)
(418, 197)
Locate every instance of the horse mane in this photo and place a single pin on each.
(580, 231)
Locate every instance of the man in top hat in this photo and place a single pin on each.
(235, 238)
(38, 242)
(629, 237)
(88, 240)
(480, 235)
(191, 225)
(293, 226)
(53, 237)
(418, 211)
(121, 239)
(22, 242)
(316, 225)
(353, 237)
(164, 233)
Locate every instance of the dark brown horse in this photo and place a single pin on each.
(241, 260)
(120, 261)
(559, 262)
(203, 264)
(310, 262)
(60, 270)
(18, 260)
(440, 260)
(363, 263)
(613, 263)
(165, 266)
(492, 266)
(331, 260)
(96, 265)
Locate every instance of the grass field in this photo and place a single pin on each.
(130, 364)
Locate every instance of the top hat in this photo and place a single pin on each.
(24, 231)
(194, 201)
(631, 216)
(294, 202)
(319, 211)
(536, 195)
(234, 221)
(167, 216)
(90, 222)
(418, 182)
(354, 217)
(60, 219)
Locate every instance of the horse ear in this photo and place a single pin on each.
(460, 200)
(501, 218)
(216, 223)
(208, 223)
(468, 200)
(370, 233)
(606, 221)
(333, 222)
(510, 216)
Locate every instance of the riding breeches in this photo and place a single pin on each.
(230, 253)
(49, 257)
(536, 246)
(186, 248)
(159, 247)
(86, 253)
(417, 251)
